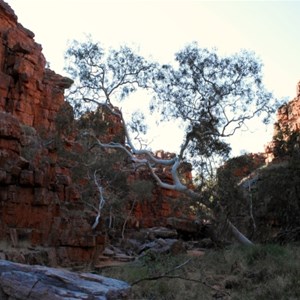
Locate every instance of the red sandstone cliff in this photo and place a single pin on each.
(39, 204)
(28, 90)
(286, 128)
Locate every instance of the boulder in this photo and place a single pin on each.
(162, 246)
(161, 232)
(187, 229)
(18, 281)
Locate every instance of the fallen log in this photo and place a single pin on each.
(19, 281)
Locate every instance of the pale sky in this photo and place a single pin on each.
(163, 27)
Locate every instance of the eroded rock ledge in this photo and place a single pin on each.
(28, 90)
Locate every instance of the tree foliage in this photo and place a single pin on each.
(213, 95)
(101, 77)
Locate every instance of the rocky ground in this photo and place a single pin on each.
(152, 241)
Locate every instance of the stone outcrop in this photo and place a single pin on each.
(28, 90)
(268, 183)
(286, 128)
(18, 281)
(39, 203)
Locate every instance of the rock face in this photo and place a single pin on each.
(288, 115)
(286, 128)
(24, 282)
(39, 204)
(28, 90)
(268, 183)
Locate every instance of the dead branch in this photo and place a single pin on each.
(101, 200)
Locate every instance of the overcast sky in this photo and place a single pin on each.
(161, 28)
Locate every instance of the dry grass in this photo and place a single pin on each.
(260, 272)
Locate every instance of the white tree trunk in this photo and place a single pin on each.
(243, 240)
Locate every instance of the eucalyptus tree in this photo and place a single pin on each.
(212, 95)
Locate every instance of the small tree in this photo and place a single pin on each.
(213, 96)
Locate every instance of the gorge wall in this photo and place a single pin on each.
(39, 204)
(286, 130)
(28, 90)
(269, 181)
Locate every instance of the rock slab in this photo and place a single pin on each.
(19, 281)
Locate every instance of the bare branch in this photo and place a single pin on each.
(101, 200)
(238, 235)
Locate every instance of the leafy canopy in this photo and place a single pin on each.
(101, 77)
(212, 95)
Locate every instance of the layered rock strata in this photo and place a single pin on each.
(286, 128)
(39, 204)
